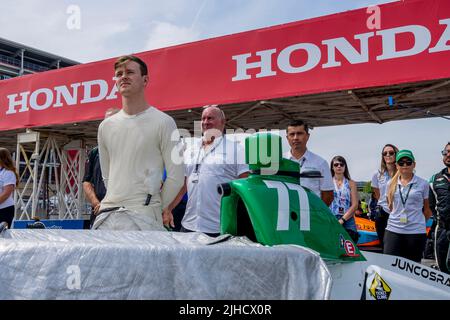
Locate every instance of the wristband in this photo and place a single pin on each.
(343, 219)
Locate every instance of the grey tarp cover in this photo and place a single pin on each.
(88, 264)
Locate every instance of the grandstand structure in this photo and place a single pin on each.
(17, 60)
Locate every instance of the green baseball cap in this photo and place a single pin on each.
(404, 154)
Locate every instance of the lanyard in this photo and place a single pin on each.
(199, 161)
(341, 195)
(407, 194)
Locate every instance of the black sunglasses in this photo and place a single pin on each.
(445, 152)
(338, 164)
(402, 163)
(388, 153)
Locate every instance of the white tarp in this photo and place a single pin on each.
(94, 264)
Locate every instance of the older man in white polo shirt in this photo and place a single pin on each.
(297, 135)
(208, 163)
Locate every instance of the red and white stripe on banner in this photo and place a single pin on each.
(335, 52)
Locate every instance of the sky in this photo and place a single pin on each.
(88, 31)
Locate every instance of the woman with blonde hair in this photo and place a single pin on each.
(407, 198)
(380, 181)
(8, 181)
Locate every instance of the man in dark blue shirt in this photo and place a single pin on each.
(179, 210)
(93, 185)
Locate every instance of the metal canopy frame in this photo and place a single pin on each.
(51, 178)
(417, 100)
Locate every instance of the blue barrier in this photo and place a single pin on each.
(54, 224)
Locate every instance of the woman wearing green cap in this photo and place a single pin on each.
(407, 198)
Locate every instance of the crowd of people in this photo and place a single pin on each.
(136, 147)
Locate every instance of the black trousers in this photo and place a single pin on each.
(7, 215)
(92, 218)
(442, 249)
(178, 214)
(409, 246)
(380, 224)
(353, 234)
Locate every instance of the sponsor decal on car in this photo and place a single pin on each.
(379, 289)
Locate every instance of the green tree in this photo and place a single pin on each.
(367, 188)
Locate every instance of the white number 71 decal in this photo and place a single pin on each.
(283, 204)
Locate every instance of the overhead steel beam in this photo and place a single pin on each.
(399, 97)
(421, 111)
(241, 114)
(267, 104)
(365, 107)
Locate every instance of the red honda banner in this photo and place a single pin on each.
(405, 41)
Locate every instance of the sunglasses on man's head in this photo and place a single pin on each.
(445, 152)
(338, 164)
(388, 153)
(403, 163)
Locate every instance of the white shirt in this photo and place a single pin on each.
(134, 150)
(381, 182)
(413, 207)
(312, 162)
(7, 177)
(205, 170)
